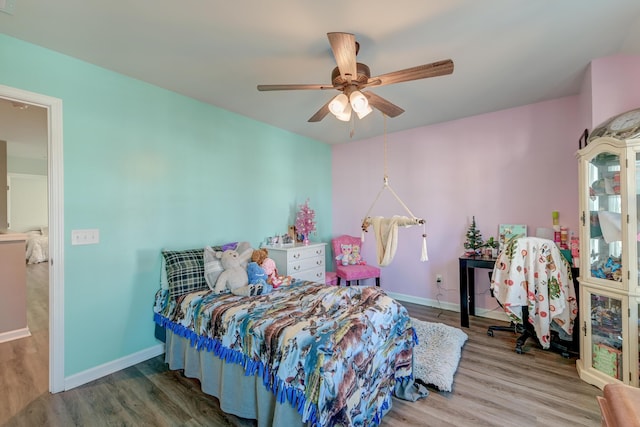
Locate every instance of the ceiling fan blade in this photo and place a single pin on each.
(371, 82)
(294, 87)
(343, 46)
(319, 115)
(383, 105)
(435, 69)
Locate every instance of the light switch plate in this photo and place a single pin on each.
(85, 237)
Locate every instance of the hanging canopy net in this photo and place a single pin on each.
(386, 229)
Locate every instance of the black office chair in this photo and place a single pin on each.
(516, 328)
(556, 270)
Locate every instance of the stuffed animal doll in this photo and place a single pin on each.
(345, 253)
(356, 258)
(234, 274)
(258, 279)
(274, 278)
(234, 277)
(256, 274)
(261, 257)
(270, 269)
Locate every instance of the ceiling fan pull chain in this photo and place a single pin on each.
(386, 172)
(353, 126)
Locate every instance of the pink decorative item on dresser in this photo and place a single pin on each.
(305, 222)
(356, 269)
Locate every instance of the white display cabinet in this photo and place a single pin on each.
(609, 257)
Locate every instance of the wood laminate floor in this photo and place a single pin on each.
(493, 386)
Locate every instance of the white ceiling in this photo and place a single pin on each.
(507, 53)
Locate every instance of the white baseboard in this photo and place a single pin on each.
(14, 335)
(480, 312)
(111, 367)
(425, 301)
(497, 314)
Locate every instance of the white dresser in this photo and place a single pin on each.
(305, 262)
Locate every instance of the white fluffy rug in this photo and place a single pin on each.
(436, 358)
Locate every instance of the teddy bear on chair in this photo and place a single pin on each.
(355, 258)
(345, 254)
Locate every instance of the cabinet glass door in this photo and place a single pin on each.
(636, 285)
(605, 236)
(606, 334)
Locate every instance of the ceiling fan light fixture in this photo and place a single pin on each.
(339, 105)
(365, 113)
(345, 116)
(359, 102)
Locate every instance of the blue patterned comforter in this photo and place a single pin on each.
(334, 353)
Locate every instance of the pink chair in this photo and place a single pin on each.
(352, 272)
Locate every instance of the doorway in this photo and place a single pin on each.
(53, 107)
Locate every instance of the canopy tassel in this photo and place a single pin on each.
(424, 256)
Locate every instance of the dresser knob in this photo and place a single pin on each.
(296, 255)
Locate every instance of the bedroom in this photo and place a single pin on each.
(128, 162)
(24, 134)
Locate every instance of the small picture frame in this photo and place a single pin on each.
(509, 231)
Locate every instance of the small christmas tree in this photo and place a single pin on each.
(474, 238)
(305, 221)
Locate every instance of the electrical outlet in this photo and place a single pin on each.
(438, 278)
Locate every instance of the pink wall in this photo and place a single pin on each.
(511, 166)
(615, 86)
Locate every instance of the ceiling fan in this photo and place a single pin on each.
(350, 77)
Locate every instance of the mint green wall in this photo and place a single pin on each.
(152, 169)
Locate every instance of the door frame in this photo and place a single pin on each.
(55, 171)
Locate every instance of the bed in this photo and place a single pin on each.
(37, 246)
(304, 354)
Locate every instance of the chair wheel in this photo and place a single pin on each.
(490, 332)
(519, 350)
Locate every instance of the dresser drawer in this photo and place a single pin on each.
(300, 254)
(313, 275)
(300, 262)
(295, 267)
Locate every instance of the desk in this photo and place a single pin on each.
(467, 284)
(468, 305)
